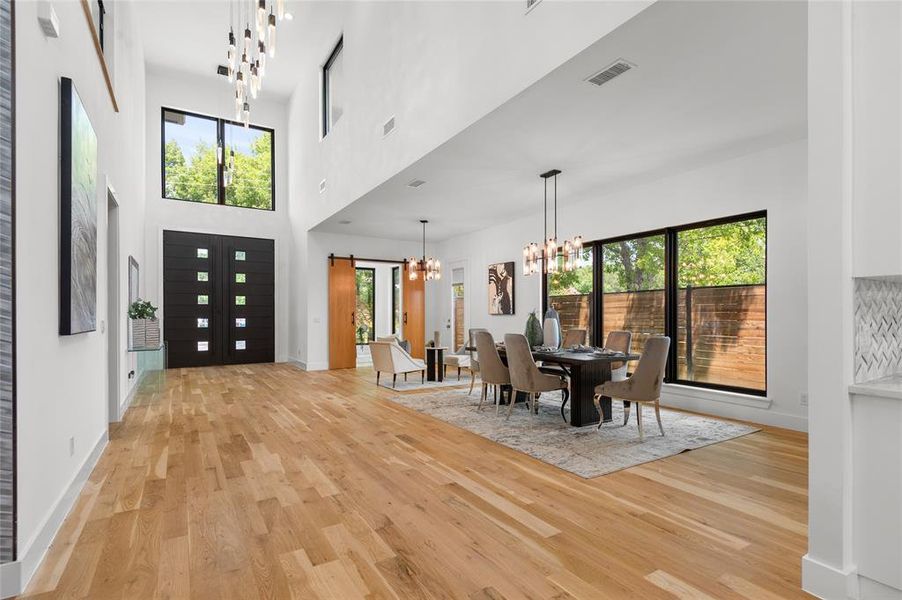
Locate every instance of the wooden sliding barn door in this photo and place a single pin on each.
(414, 320)
(342, 317)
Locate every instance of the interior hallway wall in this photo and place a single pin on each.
(62, 380)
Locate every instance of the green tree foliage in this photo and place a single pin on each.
(366, 290)
(195, 179)
(727, 254)
(252, 185)
(577, 281)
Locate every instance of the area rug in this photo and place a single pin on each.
(583, 451)
(413, 383)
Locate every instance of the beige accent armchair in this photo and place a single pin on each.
(619, 341)
(526, 376)
(643, 387)
(389, 357)
(491, 370)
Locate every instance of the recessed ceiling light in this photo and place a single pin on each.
(416, 183)
(344, 222)
(289, 16)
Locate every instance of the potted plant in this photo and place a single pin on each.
(144, 326)
(533, 330)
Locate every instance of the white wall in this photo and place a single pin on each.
(854, 79)
(200, 96)
(727, 188)
(436, 67)
(399, 60)
(62, 380)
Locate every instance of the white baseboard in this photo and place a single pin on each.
(729, 405)
(21, 571)
(827, 582)
(130, 396)
(874, 590)
(305, 366)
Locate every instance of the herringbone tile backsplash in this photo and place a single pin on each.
(878, 329)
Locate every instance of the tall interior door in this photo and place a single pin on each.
(414, 319)
(218, 299)
(342, 314)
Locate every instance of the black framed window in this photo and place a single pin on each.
(704, 285)
(365, 318)
(633, 279)
(217, 161)
(572, 294)
(333, 94)
(396, 300)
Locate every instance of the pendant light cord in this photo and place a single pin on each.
(555, 208)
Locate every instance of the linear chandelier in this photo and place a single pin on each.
(427, 268)
(549, 254)
(246, 66)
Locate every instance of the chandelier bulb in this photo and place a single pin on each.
(280, 9)
(272, 35)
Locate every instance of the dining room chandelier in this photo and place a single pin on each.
(427, 268)
(248, 51)
(550, 256)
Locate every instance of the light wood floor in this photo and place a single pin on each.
(265, 481)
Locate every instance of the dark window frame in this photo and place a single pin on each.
(325, 84)
(671, 276)
(395, 297)
(372, 334)
(220, 141)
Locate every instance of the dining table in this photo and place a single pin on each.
(585, 370)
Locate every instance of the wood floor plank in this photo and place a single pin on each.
(265, 481)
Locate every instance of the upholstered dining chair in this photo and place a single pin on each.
(389, 357)
(526, 376)
(491, 370)
(574, 337)
(643, 386)
(619, 341)
(474, 356)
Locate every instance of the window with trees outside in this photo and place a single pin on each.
(633, 280)
(217, 161)
(571, 293)
(364, 319)
(396, 299)
(704, 285)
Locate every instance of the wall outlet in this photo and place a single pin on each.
(803, 398)
(71, 446)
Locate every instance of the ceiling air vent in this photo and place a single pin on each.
(619, 67)
(388, 127)
(416, 183)
(322, 186)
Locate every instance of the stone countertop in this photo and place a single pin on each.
(885, 387)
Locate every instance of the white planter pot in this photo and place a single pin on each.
(138, 333)
(152, 333)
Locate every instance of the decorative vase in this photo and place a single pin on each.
(138, 332)
(533, 330)
(552, 327)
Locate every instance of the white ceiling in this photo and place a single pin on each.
(191, 36)
(714, 80)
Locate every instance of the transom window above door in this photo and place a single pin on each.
(216, 161)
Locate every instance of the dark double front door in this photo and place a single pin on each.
(218, 299)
